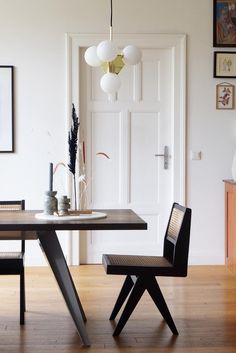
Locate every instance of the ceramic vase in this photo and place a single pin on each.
(50, 204)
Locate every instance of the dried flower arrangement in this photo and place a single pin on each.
(73, 148)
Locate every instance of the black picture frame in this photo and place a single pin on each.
(6, 109)
(224, 64)
(224, 23)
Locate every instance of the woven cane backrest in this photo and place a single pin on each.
(176, 243)
(175, 223)
(10, 205)
(6, 206)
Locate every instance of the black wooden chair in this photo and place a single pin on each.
(141, 270)
(12, 263)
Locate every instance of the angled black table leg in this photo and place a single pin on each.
(56, 259)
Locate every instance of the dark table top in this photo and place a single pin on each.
(117, 219)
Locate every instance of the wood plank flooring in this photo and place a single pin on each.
(203, 306)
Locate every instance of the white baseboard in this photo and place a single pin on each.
(206, 260)
(193, 260)
(37, 261)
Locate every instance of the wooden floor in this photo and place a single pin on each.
(203, 306)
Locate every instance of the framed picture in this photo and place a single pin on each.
(224, 23)
(6, 109)
(224, 96)
(225, 64)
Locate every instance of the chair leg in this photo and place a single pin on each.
(22, 298)
(124, 292)
(135, 295)
(157, 296)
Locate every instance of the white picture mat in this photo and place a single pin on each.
(6, 121)
(226, 64)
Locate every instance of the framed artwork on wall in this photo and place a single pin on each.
(225, 64)
(224, 96)
(224, 23)
(6, 109)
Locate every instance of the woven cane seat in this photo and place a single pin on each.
(12, 262)
(10, 255)
(135, 260)
(135, 264)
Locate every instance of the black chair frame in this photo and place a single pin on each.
(141, 271)
(12, 263)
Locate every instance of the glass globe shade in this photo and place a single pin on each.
(91, 57)
(110, 83)
(132, 55)
(107, 51)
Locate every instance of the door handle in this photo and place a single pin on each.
(165, 155)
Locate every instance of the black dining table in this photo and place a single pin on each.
(27, 226)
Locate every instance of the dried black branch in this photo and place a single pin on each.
(73, 147)
(73, 140)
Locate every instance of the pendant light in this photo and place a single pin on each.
(106, 55)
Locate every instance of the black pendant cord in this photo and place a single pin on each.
(111, 15)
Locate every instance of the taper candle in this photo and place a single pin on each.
(51, 177)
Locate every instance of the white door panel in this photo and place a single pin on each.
(143, 173)
(127, 79)
(105, 137)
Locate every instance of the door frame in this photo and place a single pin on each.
(177, 44)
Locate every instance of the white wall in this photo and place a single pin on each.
(32, 38)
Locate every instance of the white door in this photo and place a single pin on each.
(131, 128)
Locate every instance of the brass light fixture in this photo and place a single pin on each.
(106, 55)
